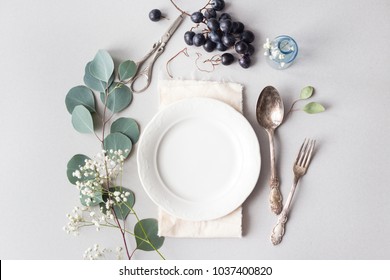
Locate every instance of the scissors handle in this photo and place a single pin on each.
(146, 73)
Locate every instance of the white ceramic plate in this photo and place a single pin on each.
(198, 159)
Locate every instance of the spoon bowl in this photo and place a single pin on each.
(269, 113)
(270, 109)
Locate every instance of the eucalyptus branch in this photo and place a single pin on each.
(96, 179)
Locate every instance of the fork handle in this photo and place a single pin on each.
(279, 229)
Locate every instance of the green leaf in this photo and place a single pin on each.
(306, 92)
(128, 127)
(82, 119)
(119, 97)
(95, 200)
(102, 66)
(93, 83)
(127, 70)
(123, 208)
(74, 164)
(118, 141)
(146, 234)
(80, 95)
(313, 108)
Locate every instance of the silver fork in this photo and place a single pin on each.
(300, 167)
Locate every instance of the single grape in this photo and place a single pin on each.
(241, 47)
(197, 17)
(245, 61)
(237, 27)
(251, 49)
(247, 36)
(221, 47)
(218, 5)
(213, 24)
(155, 15)
(189, 37)
(209, 45)
(225, 16)
(199, 39)
(210, 13)
(215, 36)
(227, 59)
(228, 40)
(225, 25)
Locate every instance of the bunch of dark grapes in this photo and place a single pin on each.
(222, 33)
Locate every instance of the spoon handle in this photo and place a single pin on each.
(275, 197)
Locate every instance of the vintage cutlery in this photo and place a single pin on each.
(154, 53)
(300, 167)
(269, 113)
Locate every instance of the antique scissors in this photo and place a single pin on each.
(154, 53)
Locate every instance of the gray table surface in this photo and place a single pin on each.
(342, 208)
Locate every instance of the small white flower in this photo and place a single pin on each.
(116, 193)
(267, 44)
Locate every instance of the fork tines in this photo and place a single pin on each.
(305, 153)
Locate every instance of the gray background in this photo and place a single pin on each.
(342, 208)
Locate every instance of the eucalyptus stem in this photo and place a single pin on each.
(108, 177)
(136, 236)
(144, 232)
(291, 108)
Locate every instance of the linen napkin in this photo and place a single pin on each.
(231, 224)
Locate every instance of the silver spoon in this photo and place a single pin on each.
(269, 113)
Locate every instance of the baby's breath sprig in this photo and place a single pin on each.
(105, 202)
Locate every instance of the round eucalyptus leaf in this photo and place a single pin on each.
(127, 70)
(93, 83)
(102, 66)
(128, 127)
(146, 234)
(313, 108)
(306, 92)
(80, 95)
(74, 164)
(117, 141)
(123, 208)
(87, 200)
(119, 97)
(82, 119)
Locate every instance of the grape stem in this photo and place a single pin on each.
(184, 12)
(214, 60)
(204, 61)
(177, 7)
(184, 51)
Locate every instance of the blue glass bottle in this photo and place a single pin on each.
(281, 51)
